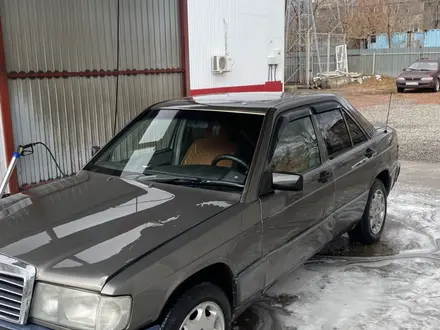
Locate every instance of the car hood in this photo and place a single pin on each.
(80, 230)
(416, 74)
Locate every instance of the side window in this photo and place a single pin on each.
(366, 125)
(297, 149)
(335, 133)
(356, 133)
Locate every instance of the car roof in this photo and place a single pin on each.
(426, 60)
(252, 102)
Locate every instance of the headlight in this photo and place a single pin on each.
(400, 78)
(427, 78)
(81, 310)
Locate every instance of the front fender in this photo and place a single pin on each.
(153, 279)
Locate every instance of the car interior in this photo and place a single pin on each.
(191, 146)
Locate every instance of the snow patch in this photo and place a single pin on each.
(221, 204)
(386, 295)
(397, 292)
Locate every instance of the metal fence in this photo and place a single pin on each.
(322, 58)
(80, 70)
(389, 62)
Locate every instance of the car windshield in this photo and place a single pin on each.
(423, 66)
(192, 147)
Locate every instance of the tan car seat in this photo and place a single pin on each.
(204, 150)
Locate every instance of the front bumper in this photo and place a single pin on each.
(10, 326)
(420, 84)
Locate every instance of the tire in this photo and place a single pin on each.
(206, 297)
(365, 231)
(436, 88)
(400, 90)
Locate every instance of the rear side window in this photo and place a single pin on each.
(368, 127)
(356, 132)
(334, 132)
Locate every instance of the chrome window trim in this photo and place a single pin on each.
(15, 267)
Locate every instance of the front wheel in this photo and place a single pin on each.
(400, 90)
(370, 228)
(205, 306)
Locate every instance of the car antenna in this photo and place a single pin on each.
(388, 113)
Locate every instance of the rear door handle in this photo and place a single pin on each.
(324, 176)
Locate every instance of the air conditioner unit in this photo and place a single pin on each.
(221, 63)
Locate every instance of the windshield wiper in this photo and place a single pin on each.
(173, 179)
(219, 183)
(195, 181)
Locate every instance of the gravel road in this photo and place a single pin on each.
(417, 125)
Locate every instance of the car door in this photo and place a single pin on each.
(349, 153)
(289, 217)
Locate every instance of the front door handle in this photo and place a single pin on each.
(324, 176)
(369, 153)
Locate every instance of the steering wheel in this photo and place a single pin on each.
(230, 157)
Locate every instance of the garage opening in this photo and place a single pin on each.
(78, 71)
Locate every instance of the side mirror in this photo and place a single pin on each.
(404, 69)
(287, 182)
(95, 150)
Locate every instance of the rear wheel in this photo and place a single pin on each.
(204, 306)
(370, 228)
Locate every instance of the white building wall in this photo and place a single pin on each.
(254, 29)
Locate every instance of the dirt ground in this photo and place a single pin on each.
(373, 92)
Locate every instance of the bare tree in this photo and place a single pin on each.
(436, 5)
(362, 18)
(432, 14)
(396, 18)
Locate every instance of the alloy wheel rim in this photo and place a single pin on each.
(205, 316)
(377, 211)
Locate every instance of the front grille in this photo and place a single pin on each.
(16, 285)
(11, 296)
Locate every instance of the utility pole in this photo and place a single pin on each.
(308, 57)
(303, 43)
